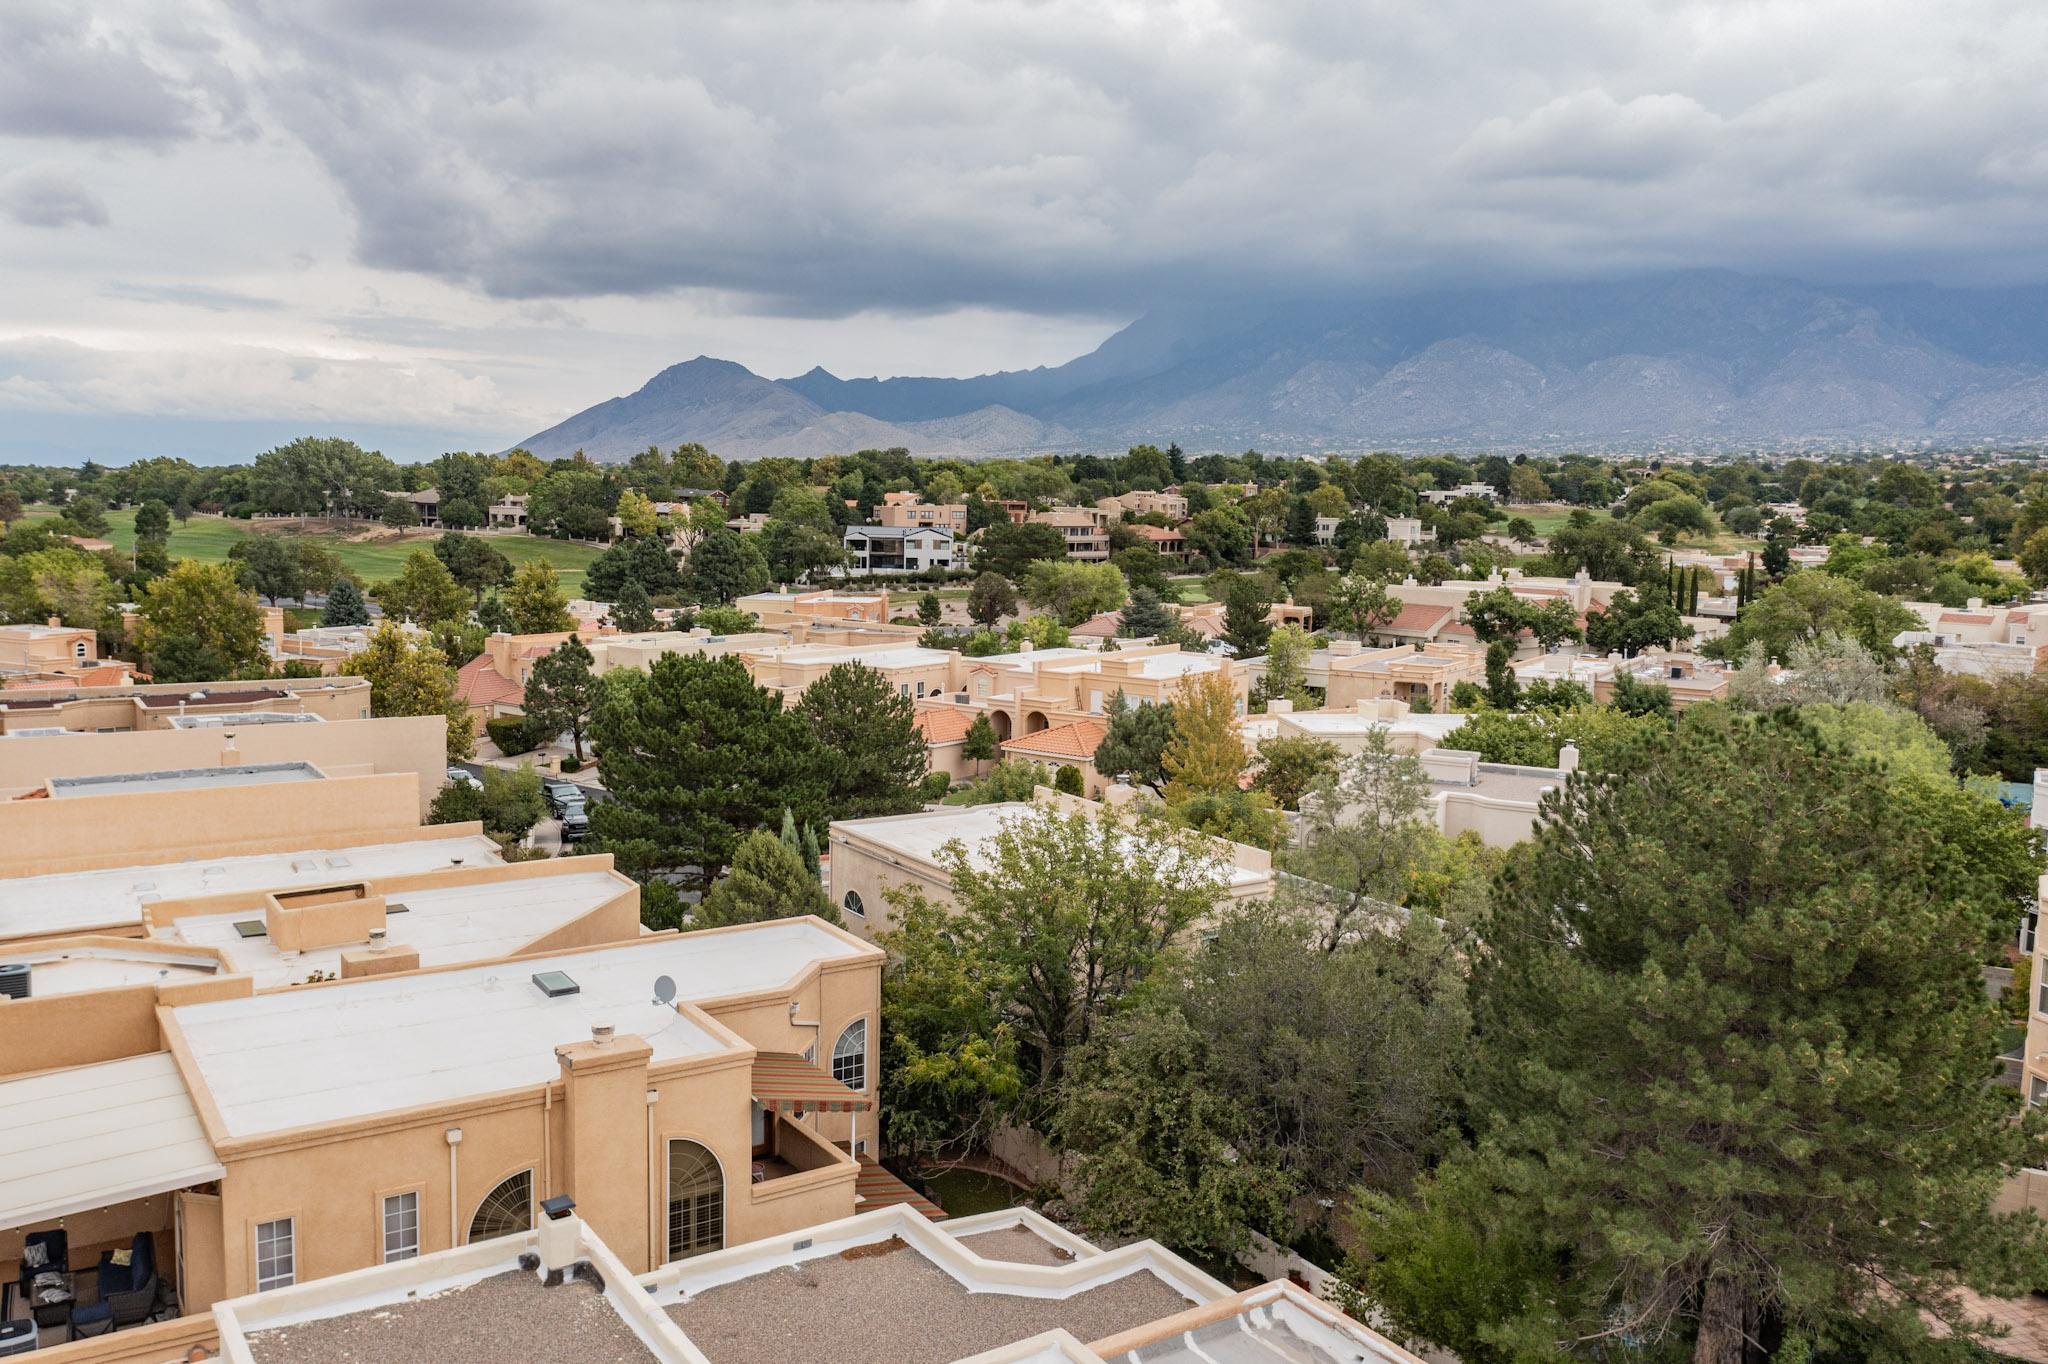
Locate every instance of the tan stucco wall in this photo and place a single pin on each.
(414, 744)
(39, 836)
(49, 1032)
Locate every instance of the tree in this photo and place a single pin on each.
(870, 752)
(562, 693)
(795, 551)
(198, 618)
(512, 801)
(1158, 1152)
(1135, 746)
(152, 521)
(1807, 605)
(457, 803)
(1206, 754)
(631, 611)
(1246, 604)
(1066, 779)
(1362, 606)
(767, 881)
(1362, 837)
(64, 582)
(1631, 622)
(948, 1058)
(270, 565)
(1009, 550)
(408, 678)
(1633, 696)
(1287, 652)
(423, 592)
(645, 562)
(693, 754)
(979, 745)
(1809, 1148)
(1073, 591)
(1292, 766)
(1502, 690)
(345, 605)
(990, 599)
(1553, 622)
(536, 601)
(1073, 916)
(724, 566)
(11, 509)
(1144, 615)
(1012, 779)
(1495, 615)
(635, 511)
(928, 609)
(473, 561)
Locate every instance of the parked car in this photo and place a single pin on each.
(462, 776)
(575, 823)
(560, 793)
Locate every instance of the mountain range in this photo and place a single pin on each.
(1697, 360)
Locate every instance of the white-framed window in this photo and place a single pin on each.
(2029, 923)
(78, 649)
(276, 1255)
(2041, 997)
(696, 1200)
(2037, 1091)
(401, 1226)
(850, 1055)
(854, 906)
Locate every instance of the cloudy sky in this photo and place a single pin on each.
(440, 224)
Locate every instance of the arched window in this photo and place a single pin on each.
(850, 1055)
(854, 906)
(696, 1201)
(506, 1210)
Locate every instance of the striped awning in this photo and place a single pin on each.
(876, 1188)
(786, 1083)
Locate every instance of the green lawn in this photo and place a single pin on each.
(209, 538)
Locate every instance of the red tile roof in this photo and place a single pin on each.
(481, 684)
(1419, 618)
(1079, 739)
(944, 726)
(1966, 618)
(1103, 626)
(1159, 534)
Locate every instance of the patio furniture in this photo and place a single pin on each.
(17, 1337)
(45, 1280)
(127, 1293)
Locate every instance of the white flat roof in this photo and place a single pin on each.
(184, 779)
(1320, 722)
(74, 970)
(321, 1055)
(92, 1136)
(1032, 656)
(905, 656)
(921, 835)
(73, 901)
(449, 926)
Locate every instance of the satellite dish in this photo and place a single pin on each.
(664, 990)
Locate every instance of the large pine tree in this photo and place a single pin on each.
(1733, 1054)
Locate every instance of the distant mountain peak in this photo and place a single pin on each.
(1685, 360)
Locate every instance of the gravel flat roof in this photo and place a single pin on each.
(1020, 1245)
(507, 1316)
(887, 1304)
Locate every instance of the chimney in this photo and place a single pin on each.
(1025, 647)
(1975, 604)
(1568, 759)
(559, 1231)
(1280, 707)
(230, 755)
(56, 622)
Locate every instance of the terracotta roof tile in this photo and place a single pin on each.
(1420, 617)
(1079, 739)
(944, 726)
(1966, 618)
(1103, 626)
(481, 684)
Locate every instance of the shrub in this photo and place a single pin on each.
(934, 786)
(572, 765)
(2015, 1001)
(512, 734)
(1068, 780)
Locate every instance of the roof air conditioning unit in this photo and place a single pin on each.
(14, 980)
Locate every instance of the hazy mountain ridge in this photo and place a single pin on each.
(1706, 359)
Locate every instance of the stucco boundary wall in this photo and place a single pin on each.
(75, 833)
(675, 1282)
(415, 744)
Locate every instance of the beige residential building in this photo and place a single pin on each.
(781, 609)
(1086, 531)
(155, 706)
(871, 857)
(1979, 640)
(48, 653)
(686, 1091)
(1170, 505)
(950, 517)
(1402, 673)
(1689, 678)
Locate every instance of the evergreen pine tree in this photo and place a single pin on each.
(345, 605)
